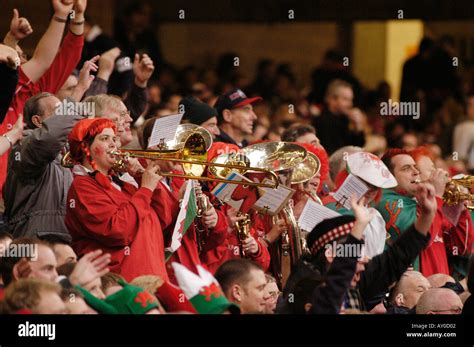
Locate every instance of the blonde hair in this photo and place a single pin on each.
(26, 293)
(148, 282)
(103, 103)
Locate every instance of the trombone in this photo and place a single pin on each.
(193, 158)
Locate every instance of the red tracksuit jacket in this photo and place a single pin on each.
(124, 223)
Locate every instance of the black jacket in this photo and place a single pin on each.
(9, 78)
(468, 307)
(400, 310)
(328, 297)
(334, 133)
(387, 267)
(224, 137)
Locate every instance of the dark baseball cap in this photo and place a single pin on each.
(233, 99)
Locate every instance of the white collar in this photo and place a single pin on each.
(81, 170)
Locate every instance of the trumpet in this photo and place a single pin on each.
(243, 230)
(453, 193)
(203, 205)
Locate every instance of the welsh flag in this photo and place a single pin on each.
(186, 215)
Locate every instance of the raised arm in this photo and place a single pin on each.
(85, 78)
(137, 97)
(40, 148)
(19, 29)
(387, 267)
(328, 298)
(48, 46)
(13, 136)
(77, 19)
(106, 67)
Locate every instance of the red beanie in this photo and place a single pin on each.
(83, 131)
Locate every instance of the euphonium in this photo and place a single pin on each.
(283, 158)
(454, 194)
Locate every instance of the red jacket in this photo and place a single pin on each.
(231, 247)
(446, 238)
(122, 223)
(62, 67)
(188, 253)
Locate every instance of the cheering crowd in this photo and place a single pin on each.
(90, 238)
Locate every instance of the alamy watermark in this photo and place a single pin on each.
(403, 108)
(29, 251)
(37, 330)
(69, 108)
(344, 250)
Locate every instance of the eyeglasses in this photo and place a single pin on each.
(124, 114)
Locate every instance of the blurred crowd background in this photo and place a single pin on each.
(288, 54)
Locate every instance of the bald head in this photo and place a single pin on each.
(439, 280)
(409, 289)
(439, 301)
(337, 160)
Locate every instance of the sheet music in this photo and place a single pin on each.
(313, 214)
(273, 200)
(164, 129)
(351, 186)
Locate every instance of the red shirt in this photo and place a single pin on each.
(62, 67)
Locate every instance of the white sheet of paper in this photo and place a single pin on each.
(351, 186)
(313, 214)
(273, 200)
(223, 191)
(164, 129)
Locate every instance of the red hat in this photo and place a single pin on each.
(81, 128)
(173, 298)
(86, 128)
